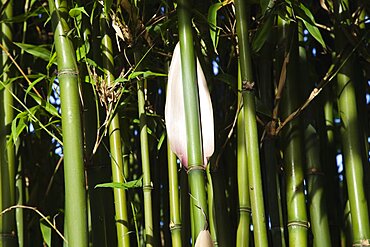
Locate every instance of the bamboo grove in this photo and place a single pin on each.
(184, 123)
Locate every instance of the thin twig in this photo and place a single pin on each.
(39, 213)
(20, 69)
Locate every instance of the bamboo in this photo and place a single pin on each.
(314, 172)
(147, 182)
(352, 155)
(19, 183)
(192, 117)
(315, 187)
(7, 151)
(101, 219)
(251, 133)
(291, 146)
(175, 217)
(75, 197)
(185, 209)
(212, 208)
(270, 165)
(330, 168)
(120, 200)
(244, 207)
(351, 140)
(95, 173)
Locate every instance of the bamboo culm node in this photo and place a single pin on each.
(299, 223)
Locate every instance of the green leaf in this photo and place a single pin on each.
(264, 5)
(46, 232)
(17, 128)
(306, 16)
(261, 108)
(53, 60)
(144, 74)
(34, 83)
(263, 32)
(77, 11)
(82, 50)
(128, 185)
(24, 17)
(161, 139)
(46, 105)
(107, 6)
(121, 79)
(212, 20)
(40, 51)
(227, 79)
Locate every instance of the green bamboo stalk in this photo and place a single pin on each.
(315, 187)
(292, 143)
(330, 168)
(192, 116)
(314, 171)
(100, 203)
(347, 232)
(75, 194)
(175, 212)
(251, 133)
(7, 151)
(95, 173)
(185, 209)
(270, 163)
(243, 229)
(352, 143)
(19, 183)
(147, 182)
(351, 139)
(212, 208)
(115, 141)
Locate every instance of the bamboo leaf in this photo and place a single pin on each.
(33, 84)
(16, 129)
(74, 12)
(128, 185)
(46, 105)
(263, 33)
(161, 139)
(46, 233)
(145, 74)
(212, 20)
(107, 6)
(228, 79)
(53, 60)
(264, 5)
(40, 51)
(24, 17)
(82, 50)
(308, 19)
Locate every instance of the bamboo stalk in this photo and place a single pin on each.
(315, 188)
(147, 182)
(75, 193)
(243, 229)
(192, 117)
(330, 168)
(175, 217)
(120, 200)
(351, 140)
(291, 145)
(251, 133)
(212, 208)
(270, 166)
(314, 172)
(7, 150)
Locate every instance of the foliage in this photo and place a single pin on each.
(144, 34)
